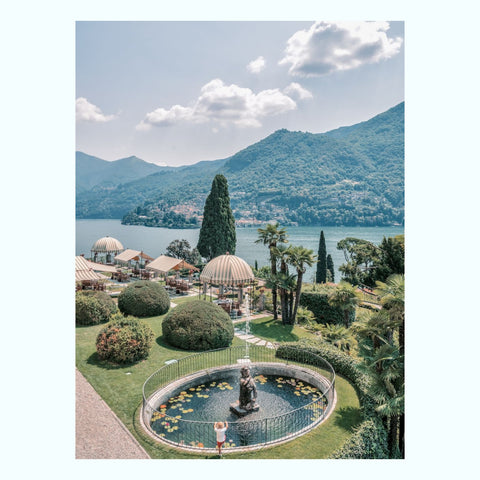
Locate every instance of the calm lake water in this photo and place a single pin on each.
(154, 241)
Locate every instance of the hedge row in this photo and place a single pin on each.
(317, 303)
(368, 441)
(370, 437)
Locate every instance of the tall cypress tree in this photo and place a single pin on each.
(217, 235)
(321, 276)
(330, 267)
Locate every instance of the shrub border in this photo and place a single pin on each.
(370, 438)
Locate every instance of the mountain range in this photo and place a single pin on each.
(349, 176)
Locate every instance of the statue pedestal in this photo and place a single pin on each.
(241, 412)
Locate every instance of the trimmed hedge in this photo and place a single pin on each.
(144, 299)
(370, 438)
(317, 303)
(124, 340)
(368, 441)
(93, 307)
(198, 325)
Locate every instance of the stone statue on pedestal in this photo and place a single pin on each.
(248, 395)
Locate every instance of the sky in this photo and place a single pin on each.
(175, 93)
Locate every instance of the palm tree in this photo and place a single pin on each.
(288, 286)
(285, 284)
(392, 298)
(299, 258)
(387, 388)
(339, 336)
(345, 298)
(282, 254)
(271, 236)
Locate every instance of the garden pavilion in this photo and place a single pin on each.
(163, 264)
(101, 267)
(227, 271)
(85, 276)
(106, 247)
(129, 256)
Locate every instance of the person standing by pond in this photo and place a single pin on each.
(220, 429)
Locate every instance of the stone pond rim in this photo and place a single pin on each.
(301, 373)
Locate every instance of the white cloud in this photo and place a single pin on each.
(328, 47)
(297, 90)
(88, 112)
(223, 104)
(162, 118)
(257, 65)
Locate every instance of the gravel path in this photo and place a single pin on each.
(99, 433)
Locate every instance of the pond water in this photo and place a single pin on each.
(210, 402)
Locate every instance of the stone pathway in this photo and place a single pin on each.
(242, 335)
(98, 431)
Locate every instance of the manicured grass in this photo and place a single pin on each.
(121, 388)
(274, 331)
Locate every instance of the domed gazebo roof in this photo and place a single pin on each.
(107, 245)
(227, 270)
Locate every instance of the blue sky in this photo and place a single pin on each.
(176, 93)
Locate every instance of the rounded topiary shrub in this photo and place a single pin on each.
(198, 325)
(93, 307)
(144, 299)
(124, 340)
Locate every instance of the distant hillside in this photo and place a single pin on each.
(349, 176)
(92, 171)
(105, 201)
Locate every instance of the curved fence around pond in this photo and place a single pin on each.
(178, 375)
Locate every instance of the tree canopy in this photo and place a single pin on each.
(217, 235)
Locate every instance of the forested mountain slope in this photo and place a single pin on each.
(348, 176)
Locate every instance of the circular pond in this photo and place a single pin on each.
(209, 402)
(293, 399)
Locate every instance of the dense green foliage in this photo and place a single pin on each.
(144, 298)
(93, 307)
(182, 249)
(198, 325)
(217, 235)
(368, 442)
(368, 263)
(350, 176)
(330, 269)
(321, 274)
(370, 439)
(161, 217)
(315, 298)
(305, 317)
(345, 297)
(124, 340)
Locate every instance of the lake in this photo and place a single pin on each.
(154, 241)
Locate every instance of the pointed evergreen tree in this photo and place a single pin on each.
(217, 235)
(321, 276)
(330, 267)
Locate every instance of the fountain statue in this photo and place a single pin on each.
(248, 395)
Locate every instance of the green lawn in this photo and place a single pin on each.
(121, 388)
(274, 331)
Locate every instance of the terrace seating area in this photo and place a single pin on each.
(180, 286)
(90, 285)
